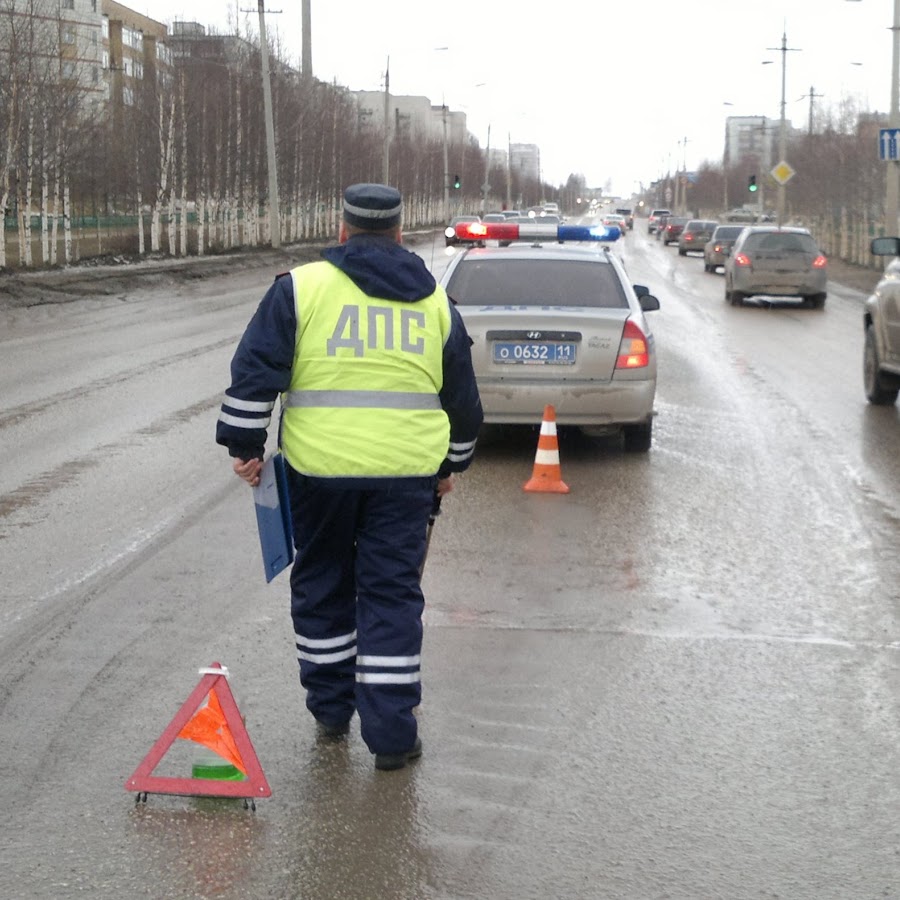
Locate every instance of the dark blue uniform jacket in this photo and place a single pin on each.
(382, 268)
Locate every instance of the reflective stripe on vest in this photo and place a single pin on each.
(363, 398)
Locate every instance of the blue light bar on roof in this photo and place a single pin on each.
(537, 231)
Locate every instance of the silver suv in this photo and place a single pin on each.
(781, 262)
(655, 216)
(881, 324)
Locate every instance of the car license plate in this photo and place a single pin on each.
(534, 353)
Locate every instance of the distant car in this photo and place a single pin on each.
(772, 261)
(694, 236)
(512, 213)
(881, 327)
(719, 246)
(617, 220)
(673, 228)
(558, 325)
(653, 219)
(450, 235)
(494, 217)
(629, 216)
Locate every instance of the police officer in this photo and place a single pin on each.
(379, 409)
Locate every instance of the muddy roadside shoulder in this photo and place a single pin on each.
(111, 277)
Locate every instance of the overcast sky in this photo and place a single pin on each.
(617, 90)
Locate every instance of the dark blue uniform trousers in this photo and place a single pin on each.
(356, 601)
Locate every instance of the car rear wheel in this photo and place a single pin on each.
(737, 298)
(816, 301)
(877, 392)
(682, 252)
(637, 438)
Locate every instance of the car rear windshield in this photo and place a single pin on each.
(727, 232)
(536, 282)
(791, 243)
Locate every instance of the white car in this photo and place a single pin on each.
(558, 324)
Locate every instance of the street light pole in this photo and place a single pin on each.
(782, 131)
(274, 212)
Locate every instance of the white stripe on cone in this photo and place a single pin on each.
(547, 457)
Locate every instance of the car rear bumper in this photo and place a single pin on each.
(778, 285)
(522, 403)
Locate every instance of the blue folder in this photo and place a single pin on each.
(273, 516)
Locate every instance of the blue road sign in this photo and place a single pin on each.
(889, 143)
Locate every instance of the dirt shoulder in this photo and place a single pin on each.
(111, 277)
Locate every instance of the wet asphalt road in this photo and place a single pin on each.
(680, 680)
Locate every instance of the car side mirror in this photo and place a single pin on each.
(640, 290)
(648, 302)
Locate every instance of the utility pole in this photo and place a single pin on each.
(386, 154)
(446, 166)
(306, 45)
(782, 133)
(812, 96)
(509, 170)
(485, 187)
(274, 211)
(892, 188)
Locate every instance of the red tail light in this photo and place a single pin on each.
(820, 262)
(688, 237)
(633, 350)
(741, 259)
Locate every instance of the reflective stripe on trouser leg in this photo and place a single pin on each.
(323, 595)
(389, 548)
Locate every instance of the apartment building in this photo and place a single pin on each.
(135, 52)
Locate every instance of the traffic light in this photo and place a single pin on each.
(751, 184)
(456, 182)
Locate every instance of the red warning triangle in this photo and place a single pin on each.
(233, 735)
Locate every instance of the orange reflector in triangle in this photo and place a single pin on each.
(547, 475)
(209, 728)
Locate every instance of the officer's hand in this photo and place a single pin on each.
(248, 469)
(444, 485)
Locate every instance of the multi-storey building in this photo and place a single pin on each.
(135, 52)
(526, 160)
(414, 114)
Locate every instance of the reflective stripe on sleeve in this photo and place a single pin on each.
(459, 452)
(241, 422)
(249, 405)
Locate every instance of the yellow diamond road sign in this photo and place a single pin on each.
(783, 173)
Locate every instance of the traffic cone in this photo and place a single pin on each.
(546, 476)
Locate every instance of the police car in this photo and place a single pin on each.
(555, 321)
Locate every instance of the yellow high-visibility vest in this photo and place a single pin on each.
(363, 398)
